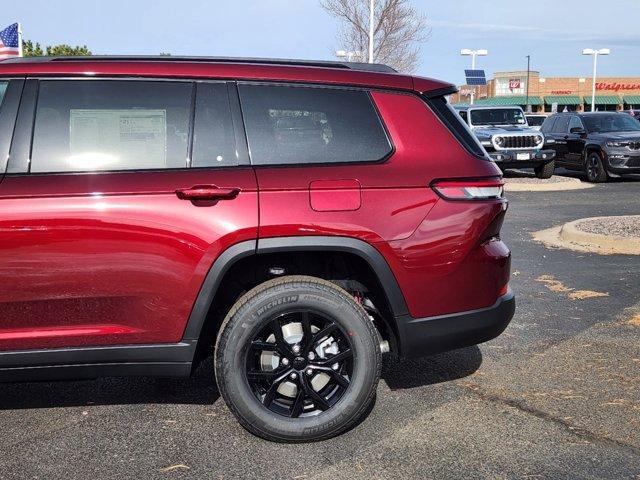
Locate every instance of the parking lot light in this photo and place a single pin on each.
(473, 53)
(595, 53)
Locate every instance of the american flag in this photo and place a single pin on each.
(10, 41)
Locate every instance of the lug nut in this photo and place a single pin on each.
(309, 371)
(311, 356)
(293, 376)
(285, 361)
(296, 349)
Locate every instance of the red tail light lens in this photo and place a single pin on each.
(486, 189)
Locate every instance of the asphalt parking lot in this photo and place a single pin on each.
(556, 396)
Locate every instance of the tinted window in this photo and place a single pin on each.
(213, 135)
(3, 89)
(456, 125)
(293, 125)
(547, 125)
(615, 122)
(561, 125)
(94, 125)
(535, 121)
(497, 116)
(575, 123)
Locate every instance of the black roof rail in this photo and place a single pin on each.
(369, 67)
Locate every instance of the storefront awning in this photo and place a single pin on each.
(509, 100)
(562, 99)
(632, 99)
(603, 99)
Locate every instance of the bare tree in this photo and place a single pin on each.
(398, 30)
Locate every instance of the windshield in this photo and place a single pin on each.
(616, 122)
(535, 121)
(498, 116)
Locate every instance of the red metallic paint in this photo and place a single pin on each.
(117, 258)
(79, 251)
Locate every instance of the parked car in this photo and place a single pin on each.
(508, 139)
(301, 217)
(601, 144)
(534, 120)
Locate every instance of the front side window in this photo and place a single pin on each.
(101, 125)
(497, 116)
(300, 125)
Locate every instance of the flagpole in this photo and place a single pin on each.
(19, 39)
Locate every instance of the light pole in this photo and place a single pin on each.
(473, 54)
(348, 55)
(595, 53)
(371, 11)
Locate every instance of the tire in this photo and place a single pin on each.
(594, 168)
(307, 307)
(545, 170)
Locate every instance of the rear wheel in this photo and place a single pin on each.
(594, 167)
(297, 359)
(545, 170)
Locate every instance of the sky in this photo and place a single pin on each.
(553, 32)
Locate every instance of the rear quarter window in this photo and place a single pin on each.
(288, 125)
(456, 125)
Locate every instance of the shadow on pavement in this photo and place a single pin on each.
(400, 374)
(201, 388)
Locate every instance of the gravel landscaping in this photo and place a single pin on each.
(623, 226)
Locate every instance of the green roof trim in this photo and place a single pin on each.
(632, 99)
(603, 99)
(509, 100)
(562, 99)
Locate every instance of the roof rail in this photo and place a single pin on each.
(370, 67)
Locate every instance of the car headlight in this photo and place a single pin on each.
(499, 141)
(616, 144)
(538, 139)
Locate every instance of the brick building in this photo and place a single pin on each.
(547, 93)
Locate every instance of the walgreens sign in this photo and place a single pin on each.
(617, 87)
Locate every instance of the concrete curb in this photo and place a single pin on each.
(569, 184)
(570, 237)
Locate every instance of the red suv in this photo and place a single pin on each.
(301, 218)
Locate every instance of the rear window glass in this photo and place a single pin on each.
(289, 125)
(535, 121)
(561, 125)
(111, 125)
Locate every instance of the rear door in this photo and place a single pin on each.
(560, 134)
(118, 196)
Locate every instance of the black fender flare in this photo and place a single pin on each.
(241, 250)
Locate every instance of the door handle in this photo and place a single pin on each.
(207, 192)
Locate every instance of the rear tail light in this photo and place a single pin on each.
(486, 189)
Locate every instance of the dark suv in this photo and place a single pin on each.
(301, 217)
(601, 144)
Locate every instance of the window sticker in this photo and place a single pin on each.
(115, 137)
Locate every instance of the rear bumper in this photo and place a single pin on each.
(420, 337)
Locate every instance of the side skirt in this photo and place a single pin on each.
(171, 360)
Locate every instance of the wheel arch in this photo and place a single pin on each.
(199, 319)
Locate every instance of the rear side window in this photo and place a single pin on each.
(547, 125)
(289, 125)
(561, 125)
(96, 125)
(3, 89)
(456, 125)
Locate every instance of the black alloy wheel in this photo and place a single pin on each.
(595, 170)
(305, 372)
